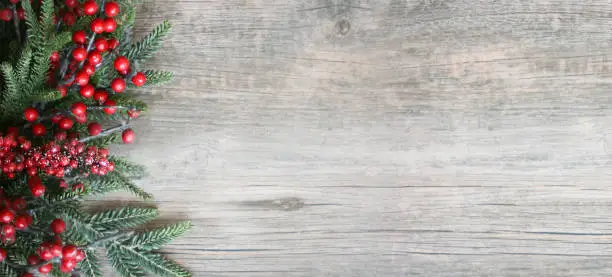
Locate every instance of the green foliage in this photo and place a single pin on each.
(122, 218)
(149, 44)
(155, 239)
(24, 72)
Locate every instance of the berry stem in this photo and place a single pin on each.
(106, 132)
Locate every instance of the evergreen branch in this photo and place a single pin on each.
(12, 89)
(122, 218)
(151, 262)
(158, 78)
(128, 168)
(23, 65)
(155, 239)
(123, 267)
(90, 266)
(149, 44)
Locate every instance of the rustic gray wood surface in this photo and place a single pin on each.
(385, 137)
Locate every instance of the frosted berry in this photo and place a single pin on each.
(19, 203)
(79, 54)
(66, 123)
(94, 128)
(34, 259)
(113, 43)
(139, 79)
(110, 25)
(56, 248)
(100, 96)
(69, 18)
(87, 91)
(58, 226)
(54, 57)
(8, 230)
(63, 90)
(81, 78)
(90, 7)
(45, 253)
(2, 254)
(38, 129)
(101, 44)
(6, 14)
(118, 85)
(67, 265)
(89, 69)
(71, 3)
(37, 190)
(110, 109)
(79, 37)
(121, 63)
(97, 25)
(111, 9)
(94, 57)
(69, 251)
(6, 216)
(21, 13)
(79, 109)
(45, 269)
(127, 136)
(133, 113)
(30, 114)
(22, 221)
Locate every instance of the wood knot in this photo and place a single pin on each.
(343, 27)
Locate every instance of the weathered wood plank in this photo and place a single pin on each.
(384, 138)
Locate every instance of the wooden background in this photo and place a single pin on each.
(384, 138)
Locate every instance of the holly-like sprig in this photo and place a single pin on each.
(67, 70)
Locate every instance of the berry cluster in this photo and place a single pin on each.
(55, 158)
(67, 256)
(13, 216)
(6, 14)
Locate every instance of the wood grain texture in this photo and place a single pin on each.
(385, 137)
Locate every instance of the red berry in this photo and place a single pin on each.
(14, 1)
(110, 24)
(30, 114)
(69, 251)
(94, 57)
(37, 190)
(67, 265)
(79, 54)
(44, 269)
(6, 14)
(121, 63)
(54, 57)
(66, 123)
(58, 226)
(79, 37)
(6, 216)
(22, 221)
(101, 44)
(133, 113)
(8, 230)
(97, 25)
(45, 254)
(69, 19)
(21, 13)
(80, 255)
(19, 203)
(56, 249)
(90, 7)
(113, 43)
(94, 128)
(87, 91)
(63, 90)
(33, 259)
(71, 3)
(38, 129)
(79, 109)
(81, 78)
(100, 96)
(139, 79)
(2, 254)
(111, 9)
(118, 85)
(111, 106)
(89, 69)
(27, 274)
(127, 136)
